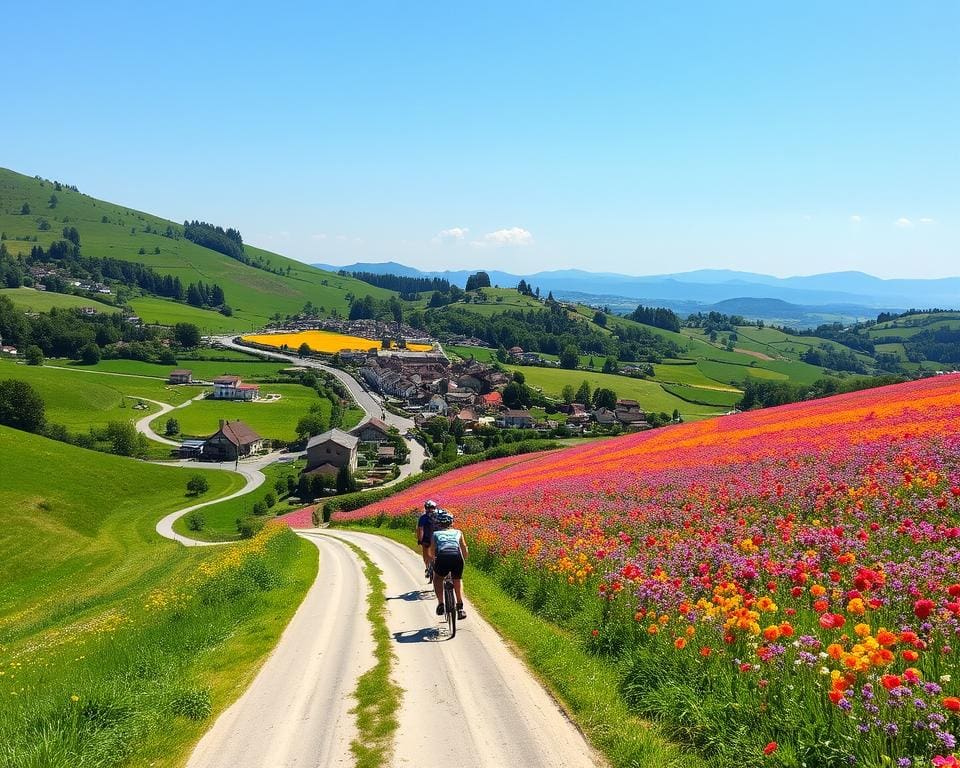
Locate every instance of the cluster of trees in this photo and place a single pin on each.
(22, 407)
(525, 289)
(369, 308)
(717, 322)
(658, 317)
(835, 358)
(763, 393)
(206, 296)
(940, 344)
(849, 337)
(225, 241)
(477, 281)
(69, 333)
(409, 288)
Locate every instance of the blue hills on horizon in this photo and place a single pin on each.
(848, 293)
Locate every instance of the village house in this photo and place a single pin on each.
(373, 431)
(6, 349)
(628, 413)
(229, 387)
(386, 454)
(437, 406)
(234, 440)
(520, 419)
(604, 417)
(180, 376)
(492, 400)
(334, 447)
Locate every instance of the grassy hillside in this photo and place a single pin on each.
(112, 639)
(31, 300)
(108, 229)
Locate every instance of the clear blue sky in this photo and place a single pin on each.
(643, 138)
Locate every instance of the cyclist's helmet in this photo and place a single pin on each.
(429, 504)
(444, 517)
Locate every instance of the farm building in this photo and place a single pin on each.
(334, 447)
(373, 431)
(180, 376)
(234, 440)
(232, 388)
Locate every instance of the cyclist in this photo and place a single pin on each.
(449, 549)
(426, 525)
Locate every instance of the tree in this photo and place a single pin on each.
(570, 357)
(71, 234)
(52, 202)
(610, 365)
(25, 209)
(270, 500)
(309, 425)
(33, 355)
(90, 354)
(197, 484)
(187, 335)
(583, 393)
(21, 406)
(259, 508)
(196, 520)
(600, 319)
(477, 281)
(304, 350)
(605, 398)
(172, 427)
(568, 393)
(345, 480)
(167, 357)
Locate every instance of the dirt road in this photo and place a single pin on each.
(466, 702)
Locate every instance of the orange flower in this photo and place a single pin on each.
(705, 652)
(680, 643)
(952, 703)
(771, 633)
(890, 681)
(835, 651)
(885, 637)
(818, 590)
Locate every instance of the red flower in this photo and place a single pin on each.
(952, 703)
(923, 608)
(832, 621)
(890, 681)
(770, 748)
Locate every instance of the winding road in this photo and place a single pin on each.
(468, 702)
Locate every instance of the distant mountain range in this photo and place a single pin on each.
(847, 295)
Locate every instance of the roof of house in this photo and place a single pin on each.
(226, 379)
(181, 372)
(248, 386)
(323, 469)
(335, 435)
(517, 414)
(237, 433)
(494, 398)
(386, 450)
(378, 424)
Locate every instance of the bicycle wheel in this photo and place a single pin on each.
(450, 606)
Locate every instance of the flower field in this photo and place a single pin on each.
(779, 587)
(326, 342)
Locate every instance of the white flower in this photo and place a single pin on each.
(824, 671)
(944, 678)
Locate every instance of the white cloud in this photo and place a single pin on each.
(511, 236)
(454, 233)
(342, 238)
(903, 222)
(319, 236)
(856, 218)
(926, 220)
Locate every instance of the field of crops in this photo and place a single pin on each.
(327, 342)
(779, 587)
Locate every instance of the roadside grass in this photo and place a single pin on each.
(378, 697)
(276, 419)
(587, 687)
(147, 635)
(220, 520)
(32, 300)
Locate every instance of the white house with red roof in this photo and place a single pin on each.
(228, 387)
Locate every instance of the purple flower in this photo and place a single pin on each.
(891, 729)
(904, 762)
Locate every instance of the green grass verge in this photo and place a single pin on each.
(585, 685)
(378, 697)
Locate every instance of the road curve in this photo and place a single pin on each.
(490, 710)
(297, 710)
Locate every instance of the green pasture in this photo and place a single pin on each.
(79, 399)
(80, 564)
(690, 375)
(32, 300)
(649, 394)
(254, 294)
(277, 419)
(702, 396)
(220, 520)
(736, 375)
(154, 310)
(252, 369)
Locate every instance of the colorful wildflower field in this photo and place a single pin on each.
(779, 587)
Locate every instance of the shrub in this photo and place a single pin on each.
(259, 509)
(197, 484)
(196, 521)
(192, 703)
(270, 499)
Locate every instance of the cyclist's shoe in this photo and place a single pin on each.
(439, 609)
(426, 572)
(461, 614)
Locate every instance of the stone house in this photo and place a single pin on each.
(334, 447)
(373, 431)
(234, 440)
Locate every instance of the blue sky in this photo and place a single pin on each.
(641, 138)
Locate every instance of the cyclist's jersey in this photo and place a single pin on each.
(426, 523)
(447, 541)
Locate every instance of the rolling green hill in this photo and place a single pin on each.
(111, 230)
(104, 626)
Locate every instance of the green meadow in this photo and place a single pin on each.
(154, 310)
(113, 641)
(32, 300)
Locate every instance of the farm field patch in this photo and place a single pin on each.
(326, 342)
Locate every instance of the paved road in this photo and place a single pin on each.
(143, 425)
(492, 712)
(366, 400)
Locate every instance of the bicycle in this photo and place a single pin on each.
(450, 605)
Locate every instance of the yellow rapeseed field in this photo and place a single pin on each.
(323, 341)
